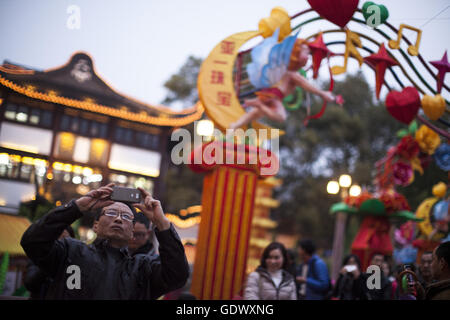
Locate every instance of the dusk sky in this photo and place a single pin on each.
(137, 45)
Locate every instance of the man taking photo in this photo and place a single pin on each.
(105, 269)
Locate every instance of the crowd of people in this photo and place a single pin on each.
(131, 260)
(121, 263)
(279, 278)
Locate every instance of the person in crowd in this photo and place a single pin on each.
(386, 270)
(424, 274)
(312, 278)
(407, 286)
(351, 284)
(36, 281)
(440, 270)
(385, 290)
(271, 280)
(105, 269)
(395, 289)
(141, 242)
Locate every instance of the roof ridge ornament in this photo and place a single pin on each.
(82, 71)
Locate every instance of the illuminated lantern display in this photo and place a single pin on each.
(376, 212)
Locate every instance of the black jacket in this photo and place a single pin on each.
(439, 290)
(349, 288)
(106, 272)
(147, 249)
(384, 293)
(36, 281)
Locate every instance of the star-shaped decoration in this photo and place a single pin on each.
(319, 51)
(380, 61)
(443, 67)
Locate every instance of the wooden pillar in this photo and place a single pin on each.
(338, 244)
(338, 241)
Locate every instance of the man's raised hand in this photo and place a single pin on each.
(152, 209)
(95, 199)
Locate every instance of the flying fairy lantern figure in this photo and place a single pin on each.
(274, 72)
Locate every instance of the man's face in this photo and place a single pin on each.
(377, 260)
(94, 226)
(116, 228)
(302, 254)
(425, 264)
(140, 236)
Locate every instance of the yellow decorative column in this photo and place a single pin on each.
(228, 203)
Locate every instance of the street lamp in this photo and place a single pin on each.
(355, 191)
(333, 187)
(345, 181)
(345, 187)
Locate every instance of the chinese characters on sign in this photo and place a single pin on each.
(227, 47)
(224, 98)
(218, 76)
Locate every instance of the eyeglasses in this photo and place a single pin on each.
(124, 215)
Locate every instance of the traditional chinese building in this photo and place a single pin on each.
(65, 130)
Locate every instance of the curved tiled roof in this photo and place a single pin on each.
(77, 85)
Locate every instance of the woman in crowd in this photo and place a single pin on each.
(271, 280)
(351, 284)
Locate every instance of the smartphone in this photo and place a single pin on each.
(122, 194)
(350, 268)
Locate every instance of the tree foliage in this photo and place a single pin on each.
(183, 186)
(182, 86)
(35, 209)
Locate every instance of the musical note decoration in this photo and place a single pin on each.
(352, 39)
(413, 50)
(380, 61)
(443, 67)
(318, 51)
